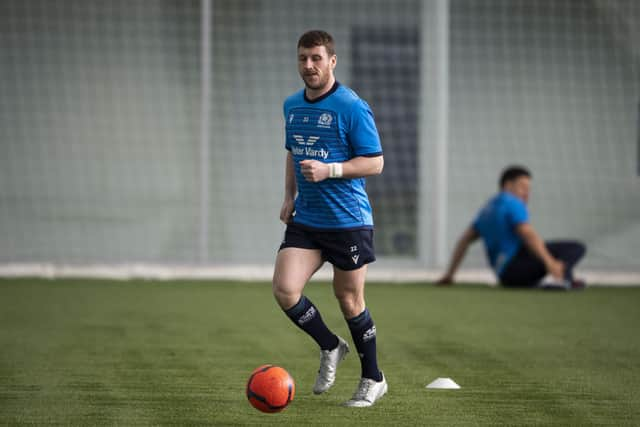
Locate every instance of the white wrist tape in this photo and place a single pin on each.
(335, 170)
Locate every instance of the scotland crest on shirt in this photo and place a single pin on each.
(325, 120)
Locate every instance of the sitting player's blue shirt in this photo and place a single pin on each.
(335, 127)
(496, 224)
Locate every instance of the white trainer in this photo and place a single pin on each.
(329, 360)
(367, 393)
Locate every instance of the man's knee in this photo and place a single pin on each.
(294, 267)
(351, 303)
(285, 291)
(567, 250)
(579, 250)
(348, 287)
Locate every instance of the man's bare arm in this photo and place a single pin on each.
(286, 211)
(469, 236)
(358, 167)
(536, 245)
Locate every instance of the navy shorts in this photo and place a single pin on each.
(346, 250)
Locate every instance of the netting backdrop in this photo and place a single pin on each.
(98, 127)
(101, 139)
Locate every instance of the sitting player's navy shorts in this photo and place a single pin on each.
(346, 250)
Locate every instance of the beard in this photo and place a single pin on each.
(315, 81)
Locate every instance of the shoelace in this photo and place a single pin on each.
(363, 389)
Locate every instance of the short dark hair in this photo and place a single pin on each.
(317, 38)
(511, 173)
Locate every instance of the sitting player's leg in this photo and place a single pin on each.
(524, 270)
(349, 290)
(569, 252)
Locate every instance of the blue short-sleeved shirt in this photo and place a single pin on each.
(336, 127)
(496, 223)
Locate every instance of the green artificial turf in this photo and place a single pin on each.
(89, 352)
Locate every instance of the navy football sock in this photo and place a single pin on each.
(307, 317)
(363, 332)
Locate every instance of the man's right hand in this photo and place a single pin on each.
(556, 269)
(446, 280)
(286, 211)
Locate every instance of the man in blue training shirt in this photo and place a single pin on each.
(515, 251)
(332, 144)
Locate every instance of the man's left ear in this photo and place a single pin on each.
(334, 60)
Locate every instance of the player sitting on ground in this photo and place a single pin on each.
(517, 254)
